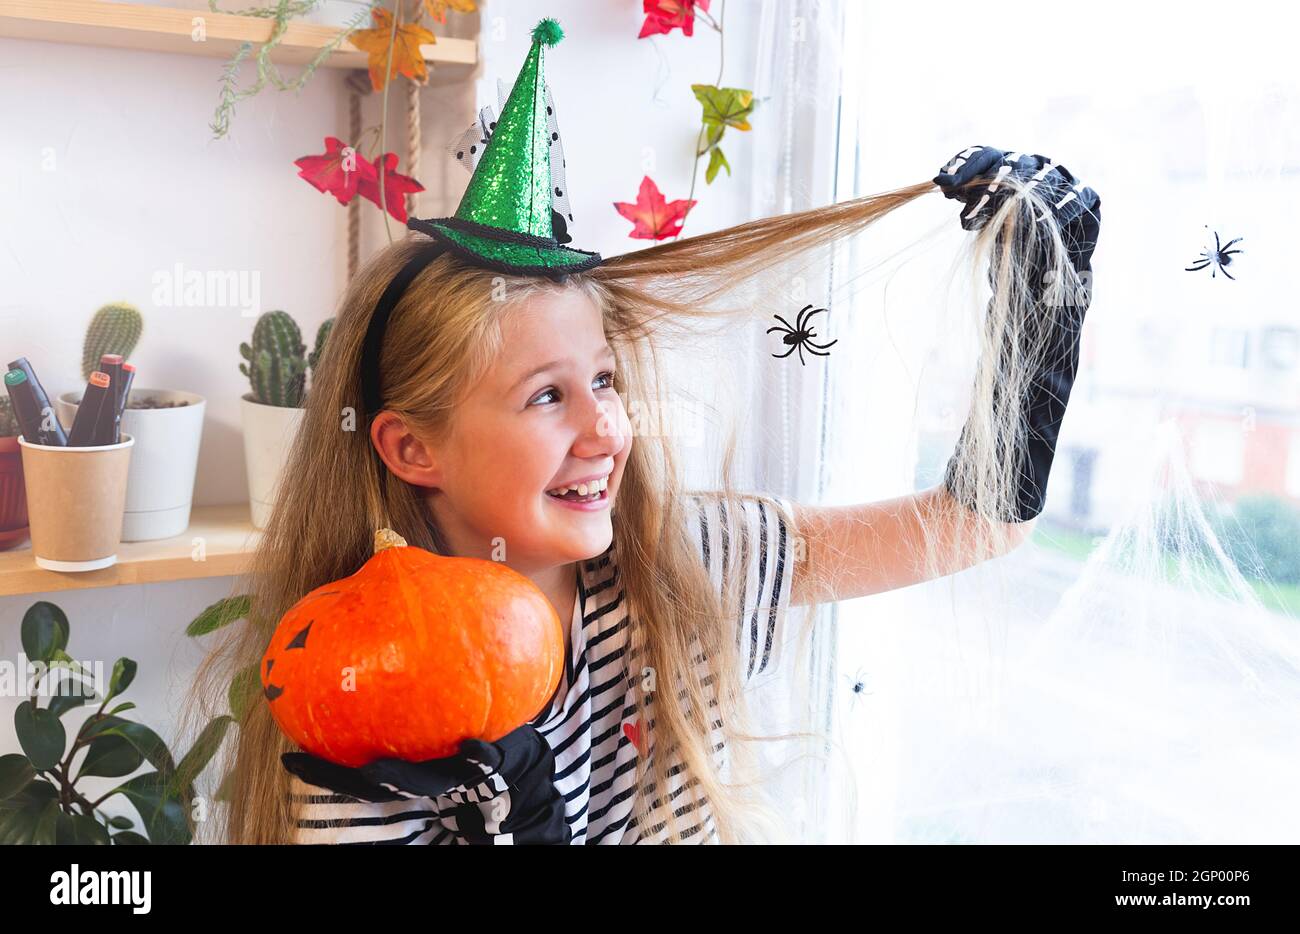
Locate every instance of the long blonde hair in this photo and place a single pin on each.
(441, 336)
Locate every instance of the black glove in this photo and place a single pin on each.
(1058, 186)
(1077, 209)
(508, 785)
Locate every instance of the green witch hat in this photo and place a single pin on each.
(504, 219)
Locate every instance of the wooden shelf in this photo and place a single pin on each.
(166, 29)
(228, 539)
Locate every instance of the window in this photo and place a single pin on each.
(1217, 449)
(1293, 466)
(1280, 347)
(1073, 707)
(1228, 347)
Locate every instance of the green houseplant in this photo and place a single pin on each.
(39, 798)
(114, 328)
(277, 364)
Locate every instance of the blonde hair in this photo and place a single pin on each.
(442, 335)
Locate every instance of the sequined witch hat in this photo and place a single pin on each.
(506, 218)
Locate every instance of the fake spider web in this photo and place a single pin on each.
(1155, 703)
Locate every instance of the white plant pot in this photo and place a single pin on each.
(160, 485)
(269, 431)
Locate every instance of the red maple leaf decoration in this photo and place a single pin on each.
(654, 218)
(662, 16)
(337, 172)
(396, 186)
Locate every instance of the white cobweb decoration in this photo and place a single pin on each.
(1158, 702)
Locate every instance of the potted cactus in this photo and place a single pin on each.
(115, 328)
(276, 364)
(13, 495)
(167, 425)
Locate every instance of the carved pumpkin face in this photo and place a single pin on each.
(410, 655)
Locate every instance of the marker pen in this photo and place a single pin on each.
(109, 430)
(27, 410)
(128, 376)
(99, 392)
(54, 433)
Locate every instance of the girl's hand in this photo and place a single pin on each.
(1077, 209)
(1070, 198)
(480, 774)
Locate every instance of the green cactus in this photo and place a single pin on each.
(322, 335)
(8, 421)
(276, 363)
(115, 328)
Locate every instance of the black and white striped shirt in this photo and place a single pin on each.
(590, 723)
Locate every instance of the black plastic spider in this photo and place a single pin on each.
(858, 686)
(797, 338)
(1220, 257)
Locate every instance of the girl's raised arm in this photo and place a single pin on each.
(842, 552)
(851, 551)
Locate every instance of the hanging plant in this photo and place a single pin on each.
(721, 108)
(281, 11)
(388, 43)
(393, 49)
(438, 8)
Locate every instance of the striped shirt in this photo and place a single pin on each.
(590, 724)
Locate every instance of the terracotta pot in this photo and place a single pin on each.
(13, 495)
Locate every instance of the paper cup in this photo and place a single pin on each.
(75, 500)
(160, 488)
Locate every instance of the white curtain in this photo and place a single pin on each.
(795, 145)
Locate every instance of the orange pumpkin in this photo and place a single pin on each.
(410, 655)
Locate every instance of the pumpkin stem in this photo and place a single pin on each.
(387, 538)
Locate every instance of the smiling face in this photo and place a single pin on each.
(521, 432)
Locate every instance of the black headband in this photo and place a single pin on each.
(374, 340)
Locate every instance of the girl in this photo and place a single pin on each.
(498, 391)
